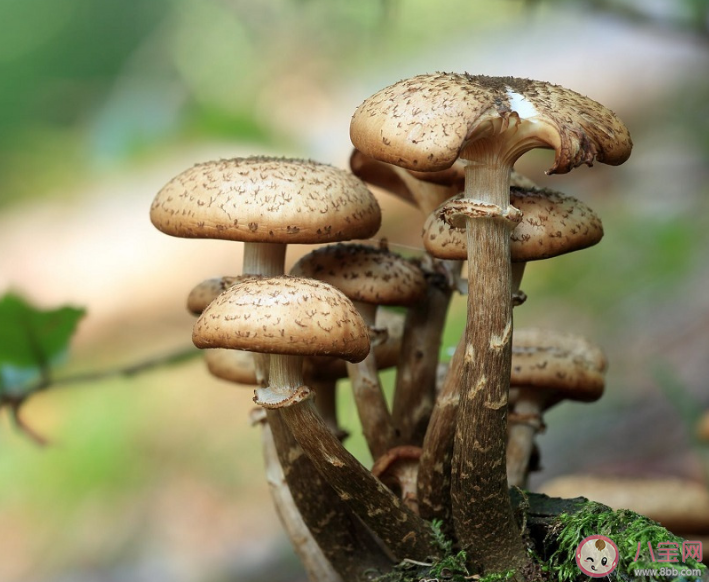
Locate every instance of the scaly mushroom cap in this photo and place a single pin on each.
(232, 365)
(386, 353)
(262, 199)
(561, 365)
(364, 273)
(552, 224)
(424, 122)
(284, 315)
(208, 290)
(679, 505)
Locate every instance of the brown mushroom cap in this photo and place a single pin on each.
(386, 353)
(679, 505)
(364, 273)
(284, 315)
(208, 290)
(424, 122)
(232, 365)
(552, 224)
(562, 365)
(262, 199)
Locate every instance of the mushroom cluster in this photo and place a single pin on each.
(455, 437)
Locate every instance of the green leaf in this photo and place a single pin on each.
(31, 340)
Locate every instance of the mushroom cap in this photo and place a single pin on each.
(679, 505)
(424, 122)
(552, 224)
(559, 365)
(262, 199)
(284, 315)
(386, 353)
(364, 273)
(232, 365)
(208, 290)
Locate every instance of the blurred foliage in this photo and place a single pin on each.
(31, 342)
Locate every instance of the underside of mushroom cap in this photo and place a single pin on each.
(284, 315)
(552, 224)
(423, 123)
(364, 273)
(262, 199)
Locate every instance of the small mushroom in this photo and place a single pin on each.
(547, 367)
(289, 318)
(369, 277)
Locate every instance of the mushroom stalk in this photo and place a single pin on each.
(434, 476)
(415, 389)
(401, 531)
(346, 543)
(482, 510)
(311, 555)
(266, 259)
(368, 394)
(524, 425)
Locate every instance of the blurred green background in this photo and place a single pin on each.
(159, 477)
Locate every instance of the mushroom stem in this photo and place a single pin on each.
(402, 532)
(343, 539)
(415, 390)
(265, 259)
(311, 555)
(482, 510)
(434, 477)
(368, 394)
(326, 401)
(523, 427)
(517, 274)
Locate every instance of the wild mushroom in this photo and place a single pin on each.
(289, 318)
(547, 367)
(425, 124)
(369, 277)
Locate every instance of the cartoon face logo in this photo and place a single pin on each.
(597, 556)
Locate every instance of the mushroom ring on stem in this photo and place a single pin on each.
(289, 318)
(425, 124)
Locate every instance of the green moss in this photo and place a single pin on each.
(449, 566)
(627, 529)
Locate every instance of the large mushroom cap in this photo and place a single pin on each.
(552, 224)
(424, 122)
(262, 199)
(284, 315)
(563, 365)
(364, 273)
